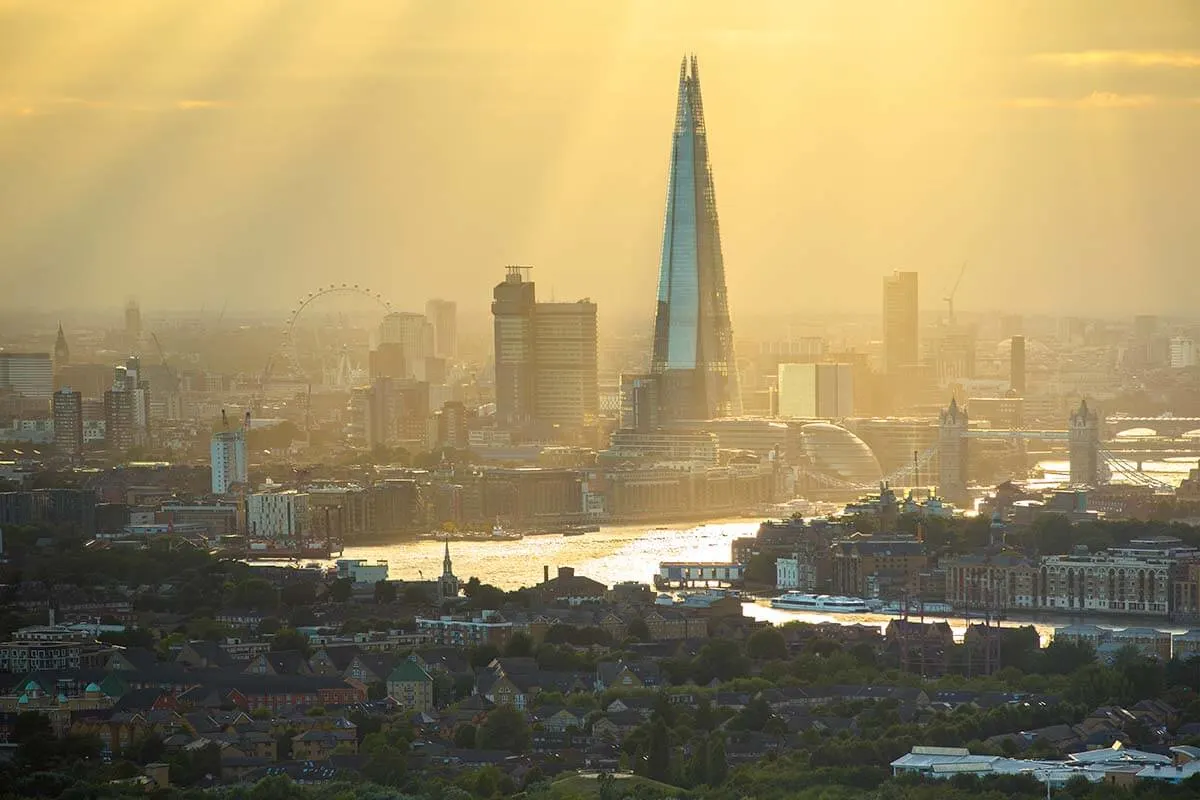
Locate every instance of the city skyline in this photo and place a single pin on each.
(1044, 160)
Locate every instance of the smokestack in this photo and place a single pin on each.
(545, 573)
(1016, 366)
(247, 420)
(224, 420)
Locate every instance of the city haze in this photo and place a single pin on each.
(244, 153)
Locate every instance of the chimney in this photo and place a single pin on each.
(247, 420)
(566, 572)
(545, 573)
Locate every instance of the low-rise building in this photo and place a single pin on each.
(411, 687)
(462, 631)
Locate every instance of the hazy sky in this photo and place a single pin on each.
(199, 152)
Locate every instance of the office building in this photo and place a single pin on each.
(414, 334)
(387, 361)
(228, 459)
(68, 422)
(28, 374)
(816, 391)
(546, 358)
(1181, 352)
(280, 516)
(452, 425)
(899, 322)
(693, 355)
(639, 403)
(513, 304)
(396, 413)
(443, 316)
(567, 391)
(133, 323)
(1016, 365)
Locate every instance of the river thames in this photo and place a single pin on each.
(632, 553)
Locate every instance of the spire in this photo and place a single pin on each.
(447, 569)
(62, 354)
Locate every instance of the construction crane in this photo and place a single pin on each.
(949, 299)
(162, 356)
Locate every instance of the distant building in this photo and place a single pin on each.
(387, 361)
(822, 391)
(127, 409)
(443, 316)
(900, 344)
(452, 426)
(282, 516)
(62, 353)
(28, 374)
(227, 453)
(1016, 365)
(1181, 352)
(513, 304)
(68, 422)
(414, 334)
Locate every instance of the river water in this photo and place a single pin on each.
(631, 553)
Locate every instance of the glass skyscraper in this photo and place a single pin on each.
(693, 359)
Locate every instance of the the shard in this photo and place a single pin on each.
(693, 360)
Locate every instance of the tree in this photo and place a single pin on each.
(270, 625)
(766, 644)
(464, 736)
(289, 639)
(483, 655)
(298, 593)
(519, 646)
(639, 630)
(716, 762)
(658, 751)
(504, 728)
(388, 767)
(385, 592)
(256, 594)
(340, 590)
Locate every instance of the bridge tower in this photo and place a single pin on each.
(1083, 443)
(952, 453)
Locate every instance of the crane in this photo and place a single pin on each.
(162, 356)
(949, 299)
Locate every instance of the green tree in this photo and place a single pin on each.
(761, 570)
(716, 761)
(464, 736)
(385, 592)
(255, 594)
(519, 646)
(658, 751)
(289, 639)
(388, 767)
(340, 590)
(298, 593)
(766, 644)
(504, 728)
(638, 629)
(483, 655)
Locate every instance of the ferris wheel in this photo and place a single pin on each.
(289, 349)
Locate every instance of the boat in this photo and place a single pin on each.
(830, 604)
(918, 608)
(573, 533)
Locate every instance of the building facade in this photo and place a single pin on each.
(443, 316)
(227, 457)
(815, 391)
(900, 344)
(68, 422)
(28, 374)
(693, 357)
(281, 516)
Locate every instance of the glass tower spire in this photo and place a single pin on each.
(693, 338)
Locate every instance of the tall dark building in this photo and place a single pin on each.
(62, 353)
(693, 339)
(513, 304)
(1016, 366)
(899, 322)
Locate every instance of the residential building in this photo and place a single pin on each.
(127, 408)
(877, 566)
(228, 460)
(68, 422)
(462, 631)
(693, 356)
(411, 687)
(279, 515)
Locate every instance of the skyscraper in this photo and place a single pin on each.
(899, 322)
(414, 334)
(443, 315)
(227, 454)
(693, 338)
(512, 311)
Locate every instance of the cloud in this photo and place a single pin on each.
(193, 105)
(1101, 100)
(27, 107)
(1139, 59)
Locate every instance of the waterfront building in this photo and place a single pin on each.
(692, 356)
(662, 446)
(1149, 642)
(281, 515)
(27, 374)
(899, 322)
(885, 567)
(990, 582)
(68, 422)
(1116, 582)
(359, 570)
(816, 391)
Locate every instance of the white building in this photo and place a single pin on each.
(1125, 581)
(816, 391)
(29, 374)
(359, 571)
(795, 573)
(278, 515)
(1182, 352)
(228, 459)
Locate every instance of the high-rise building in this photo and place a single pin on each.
(546, 357)
(639, 403)
(1016, 365)
(693, 338)
(62, 353)
(567, 391)
(127, 409)
(443, 316)
(414, 334)
(387, 361)
(821, 391)
(899, 322)
(68, 422)
(28, 374)
(227, 453)
(133, 323)
(282, 516)
(1181, 352)
(452, 425)
(513, 304)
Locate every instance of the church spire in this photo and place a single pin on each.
(62, 353)
(447, 568)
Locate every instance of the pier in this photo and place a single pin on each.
(682, 574)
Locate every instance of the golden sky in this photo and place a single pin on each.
(247, 151)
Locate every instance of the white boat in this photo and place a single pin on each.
(933, 609)
(830, 604)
